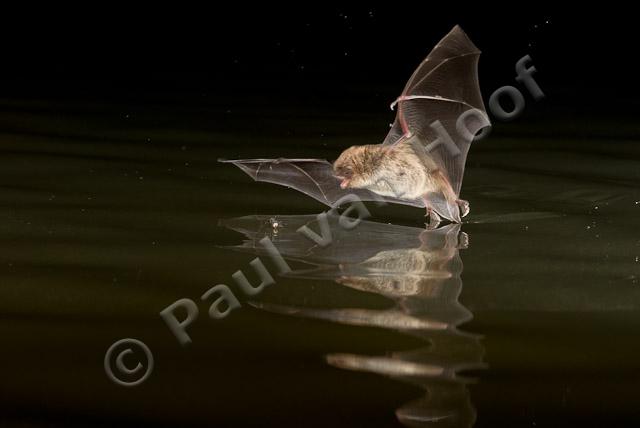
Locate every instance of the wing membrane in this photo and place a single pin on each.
(313, 177)
(443, 88)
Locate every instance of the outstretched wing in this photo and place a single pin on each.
(313, 177)
(441, 94)
(441, 105)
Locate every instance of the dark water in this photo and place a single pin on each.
(526, 315)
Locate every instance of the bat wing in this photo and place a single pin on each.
(313, 177)
(441, 106)
(442, 89)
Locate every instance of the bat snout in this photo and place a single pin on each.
(344, 183)
(344, 174)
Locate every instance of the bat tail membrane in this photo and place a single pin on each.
(445, 202)
(444, 208)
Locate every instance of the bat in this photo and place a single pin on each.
(421, 161)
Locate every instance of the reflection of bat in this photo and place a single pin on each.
(417, 269)
(421, 161)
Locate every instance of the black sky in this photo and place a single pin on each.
(310, 51)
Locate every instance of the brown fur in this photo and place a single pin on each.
(391, 170)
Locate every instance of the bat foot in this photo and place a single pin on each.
(464, 207)
(434, 219)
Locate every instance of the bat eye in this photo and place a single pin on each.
(344, 172)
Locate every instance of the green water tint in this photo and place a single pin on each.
(418, 270)
(108, 219)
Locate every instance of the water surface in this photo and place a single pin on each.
(526, 315)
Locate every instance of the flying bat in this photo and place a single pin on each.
(421, 161)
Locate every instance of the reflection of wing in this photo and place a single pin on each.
(444, 87)
(373, 238)
(313, 177)
(384, 318)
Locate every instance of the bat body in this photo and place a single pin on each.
(397, 172)
(421, 161)
(402, 171)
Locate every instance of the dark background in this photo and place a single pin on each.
(311, 55)
(112, 192)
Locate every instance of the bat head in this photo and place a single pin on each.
(356, 166)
